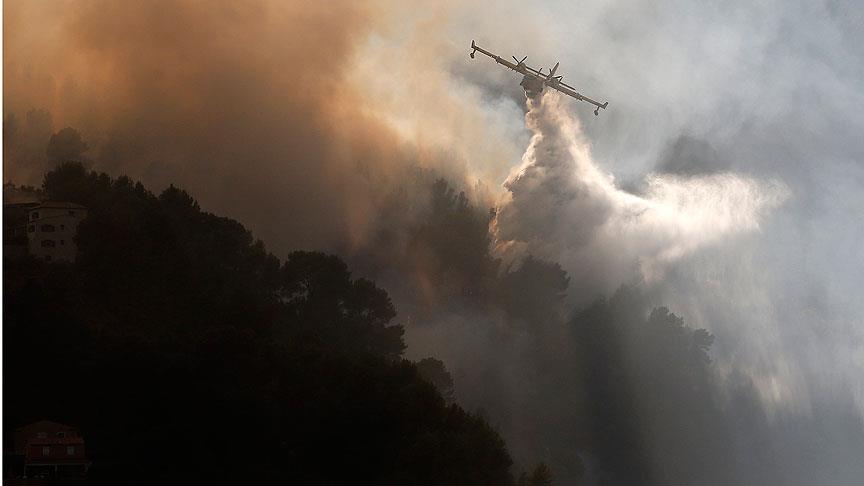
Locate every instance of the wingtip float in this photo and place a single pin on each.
(534, 81)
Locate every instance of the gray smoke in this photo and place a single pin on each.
(563, 207)
(725, 178)
(768, 91)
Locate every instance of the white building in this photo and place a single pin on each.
(51, 229)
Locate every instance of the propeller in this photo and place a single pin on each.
(518, 61)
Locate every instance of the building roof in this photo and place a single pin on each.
(39, 441)
(59, 205)
(21, 205)
(45, 425)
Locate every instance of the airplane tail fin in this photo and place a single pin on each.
(473, 49)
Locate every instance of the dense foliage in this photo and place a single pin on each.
(617, 391)
(183, 350)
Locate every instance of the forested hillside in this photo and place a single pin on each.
(184, 350)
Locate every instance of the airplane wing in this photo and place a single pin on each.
(498, 59)
(518, 66)
(570, 91)
(562, 83)
(536, 72)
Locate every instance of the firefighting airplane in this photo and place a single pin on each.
(533, 81)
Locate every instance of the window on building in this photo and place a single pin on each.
(31, 228)
(46, 451)
(61, 434)
(62, 227)
(48, 228)
(34, 215)
(48, 244)
(41, 435)
(70, 450)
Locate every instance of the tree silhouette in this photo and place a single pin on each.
(540, 476)
(648, 387)
(175, 331)
(451, 246)
(66, 145)
(534, 292)
(434, 371)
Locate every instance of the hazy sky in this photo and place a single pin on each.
(766, 90)
(293, 118)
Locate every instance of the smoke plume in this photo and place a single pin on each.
(564, 208)
(724, 179)
(251, 106)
